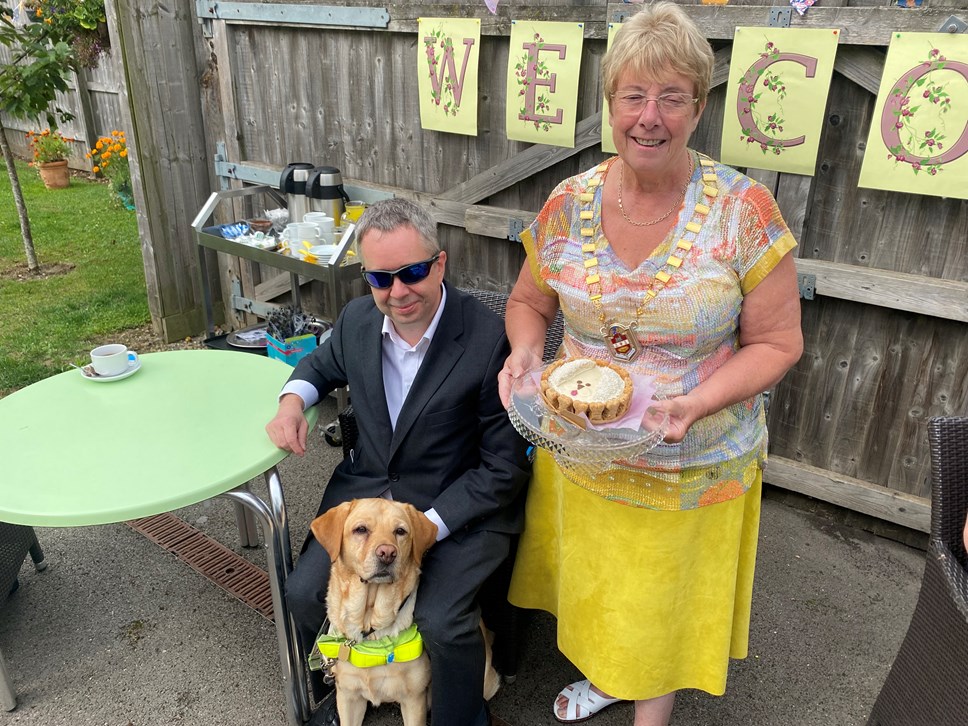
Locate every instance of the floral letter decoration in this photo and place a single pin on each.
(542, 84)
(447, 63)
(775, 106)
(918, 140)
(608, 143)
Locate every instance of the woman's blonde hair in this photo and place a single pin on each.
(658, 39)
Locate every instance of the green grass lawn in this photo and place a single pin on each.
(48, 322)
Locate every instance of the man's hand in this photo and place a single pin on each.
(289, 428)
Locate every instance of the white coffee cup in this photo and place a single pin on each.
(296, 233)
(324, 223)
(112, 359)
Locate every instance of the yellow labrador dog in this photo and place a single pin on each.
(376, 546)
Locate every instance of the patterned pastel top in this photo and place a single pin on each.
(685, 301)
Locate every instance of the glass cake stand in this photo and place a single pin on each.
(592, 448)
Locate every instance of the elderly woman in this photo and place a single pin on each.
(678, 267)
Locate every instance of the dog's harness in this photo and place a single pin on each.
(405, 646)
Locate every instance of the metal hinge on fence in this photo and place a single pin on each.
(953, 24)
(780, 17)
(807, 285)
(292, 14)
(220, 159)
(240, 302)
(226, 170)
(515, 228)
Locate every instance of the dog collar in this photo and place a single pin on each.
(405, 646)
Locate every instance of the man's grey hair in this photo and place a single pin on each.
(389, 214)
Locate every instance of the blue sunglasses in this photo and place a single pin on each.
(408, 274)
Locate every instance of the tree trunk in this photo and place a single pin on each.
(18, 198)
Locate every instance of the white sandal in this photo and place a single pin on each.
(582, 702)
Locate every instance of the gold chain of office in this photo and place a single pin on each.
(620, 339)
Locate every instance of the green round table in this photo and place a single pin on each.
(186, 426)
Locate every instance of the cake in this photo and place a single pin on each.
(599, 389)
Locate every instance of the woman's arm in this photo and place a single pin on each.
(771, 342)
(529, 313)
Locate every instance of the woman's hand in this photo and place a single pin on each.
(682, 412)
(528, 315)
(517, 364)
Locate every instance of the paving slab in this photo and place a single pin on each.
(117, 632)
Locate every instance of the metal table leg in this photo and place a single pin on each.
(8, 700)
(272, 516)
(245, 521)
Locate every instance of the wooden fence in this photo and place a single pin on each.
(254, 86)
(93, 100)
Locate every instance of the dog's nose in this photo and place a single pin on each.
(387, 553)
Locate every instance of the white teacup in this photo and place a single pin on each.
(321, 220)
(112, 359)
(324, 223)
(296, 233)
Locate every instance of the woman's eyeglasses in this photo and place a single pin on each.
(408, 274)
(669, 104)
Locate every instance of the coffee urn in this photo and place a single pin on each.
(324, 190)
(292, 183)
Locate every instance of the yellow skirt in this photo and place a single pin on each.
(648, 602)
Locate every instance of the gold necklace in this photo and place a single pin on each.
(620, 340)
(674, 207)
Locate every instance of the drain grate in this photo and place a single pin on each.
(234, 574)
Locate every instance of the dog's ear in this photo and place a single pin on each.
(328, 528)
(424, 532)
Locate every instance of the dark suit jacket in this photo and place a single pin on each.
(453, 448)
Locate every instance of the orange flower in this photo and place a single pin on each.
(48, 145)
(110, 154)
(96, 169)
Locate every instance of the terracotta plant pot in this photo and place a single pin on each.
(55, 174)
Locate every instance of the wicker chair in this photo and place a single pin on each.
(928, 683)
(501, 617)
(15, 542)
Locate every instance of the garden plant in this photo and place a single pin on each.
(110, 158)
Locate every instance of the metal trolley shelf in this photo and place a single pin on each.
(333, 275)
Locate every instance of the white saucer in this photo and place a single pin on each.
(88, 373)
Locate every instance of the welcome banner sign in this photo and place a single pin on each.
(776, 96)
(918, 141)
(542, 85)
(448, 53)
(608, 144)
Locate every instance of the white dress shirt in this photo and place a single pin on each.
(401, 361)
